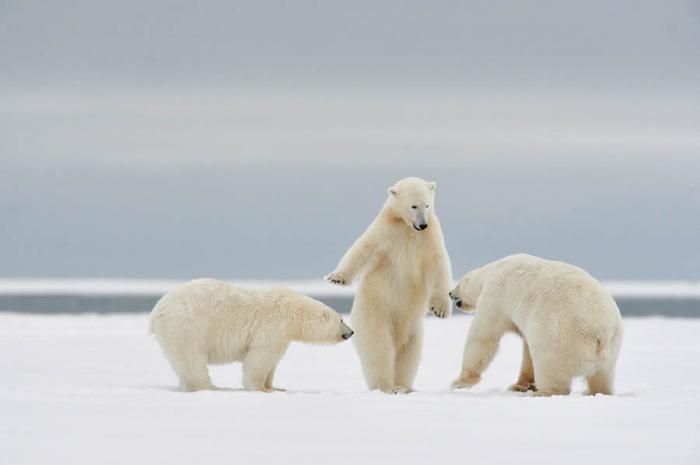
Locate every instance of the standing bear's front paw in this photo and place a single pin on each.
(440, 306)
(337, 279)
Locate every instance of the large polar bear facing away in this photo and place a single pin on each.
(206, 321)
(569, 323)
(406, 273)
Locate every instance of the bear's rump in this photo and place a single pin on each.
(567, 345)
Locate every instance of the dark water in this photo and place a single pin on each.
(106, 304)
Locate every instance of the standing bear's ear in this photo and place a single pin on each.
(392, 190)
(432, 186)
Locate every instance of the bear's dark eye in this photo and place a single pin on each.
(414, 206)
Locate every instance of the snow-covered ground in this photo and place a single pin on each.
(96, 390)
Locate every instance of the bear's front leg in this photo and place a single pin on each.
(268, 381)
(257, 365)
(355, 259)
(484, 336)
(466, 380)
(440, 280)
(526, 379)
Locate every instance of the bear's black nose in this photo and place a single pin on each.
(347, 336)
(422, 226)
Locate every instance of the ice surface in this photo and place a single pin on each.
(96, 390)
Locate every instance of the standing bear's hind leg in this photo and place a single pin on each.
(407, 360)
(377, 356)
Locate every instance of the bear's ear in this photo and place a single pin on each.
(432, 186)
(392, 190)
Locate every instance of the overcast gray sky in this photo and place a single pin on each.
(638, 43)
(256, 139)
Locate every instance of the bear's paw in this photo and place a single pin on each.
(440, 306)
(466, 381)
(522, 387)
(337, 279)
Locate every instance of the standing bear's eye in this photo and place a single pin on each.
(427, 206)
(414, 206)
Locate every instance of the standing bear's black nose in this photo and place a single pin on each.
(347, 336)
(422, 226)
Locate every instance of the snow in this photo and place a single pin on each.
(95, 389)
(638, 289)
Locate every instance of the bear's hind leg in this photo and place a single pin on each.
(377, 357)
(551, 380)
(193, 373)
(407, 360)
(601, 382)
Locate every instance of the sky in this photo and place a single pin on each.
(256, 140)
(633, 43)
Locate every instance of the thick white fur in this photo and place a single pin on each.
(406, 273)
(569, 323)
(206, 321)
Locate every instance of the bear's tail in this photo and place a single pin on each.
(610, 346)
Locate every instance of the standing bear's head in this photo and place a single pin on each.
(412, 200)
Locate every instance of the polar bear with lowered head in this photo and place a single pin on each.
(209, 322)
(406, 273)
(569, 323)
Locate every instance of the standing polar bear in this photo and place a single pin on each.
(569, 323)
(206, 321)
(406, 272)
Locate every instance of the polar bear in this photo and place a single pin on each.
(206, 321)
(406, 272)
(569, 323)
